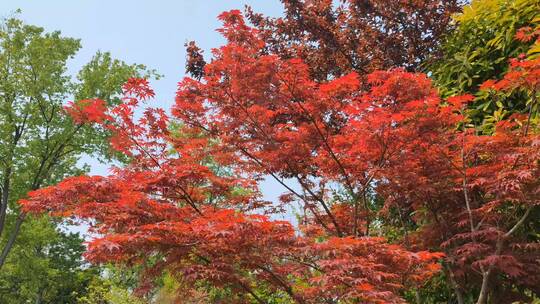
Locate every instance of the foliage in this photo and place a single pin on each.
(335, 38)
(41, 145)
(482, 43)
(480, 48)
(168, 211)
(380, 153)
(46, 266)
(109, 288)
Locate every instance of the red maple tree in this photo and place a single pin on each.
(188, 201)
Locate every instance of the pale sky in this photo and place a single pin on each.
(152, 33)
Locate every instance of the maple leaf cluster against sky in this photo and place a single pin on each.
(264, 115)
(337, 37)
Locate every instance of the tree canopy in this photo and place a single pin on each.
(371, 153)
(407, 134)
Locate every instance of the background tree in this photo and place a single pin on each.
(482, 43)
(337, 37)
(47, 267)
(480, 48)
(113, 286)
(42, 145)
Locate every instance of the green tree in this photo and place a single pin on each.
(479, 49)
(45, 266)
(482, 43)
(114, 286)
(40, 145)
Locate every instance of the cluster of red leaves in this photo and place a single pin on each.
(87, 111)
(337, 37)
(523, 74)
(526, 34)
(221, 245)
(347, 263)
(258, 115)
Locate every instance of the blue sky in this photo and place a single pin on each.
(139, 31)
